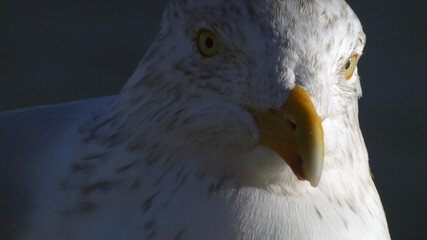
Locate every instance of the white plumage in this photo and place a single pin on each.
(179, 154)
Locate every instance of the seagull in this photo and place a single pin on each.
(240, 122)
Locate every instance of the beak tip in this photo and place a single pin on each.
(314, 172)
(314, 178)
(314, 182)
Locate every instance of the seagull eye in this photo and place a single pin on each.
(207, 43)
(350, 66)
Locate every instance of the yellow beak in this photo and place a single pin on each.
(295, 133)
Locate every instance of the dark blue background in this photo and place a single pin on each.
(57, 51)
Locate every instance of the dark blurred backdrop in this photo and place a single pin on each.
(57, 51)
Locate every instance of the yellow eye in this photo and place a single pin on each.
(350, 66)
(207, 43)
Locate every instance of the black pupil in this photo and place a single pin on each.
(347, 65)
(209, 42)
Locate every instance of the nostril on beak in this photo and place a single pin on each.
(292, 125)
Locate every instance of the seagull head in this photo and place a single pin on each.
(254, 87)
